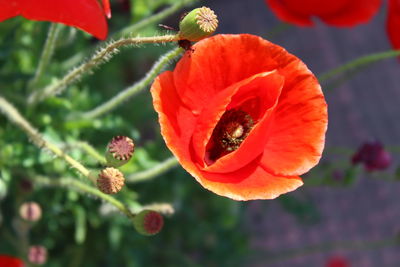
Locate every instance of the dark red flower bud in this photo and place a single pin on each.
(148, 222)
(37, 255)
(337, 262)
(373, 156)
(30, 211)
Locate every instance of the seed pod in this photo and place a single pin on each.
(119, 151)
(198, 24)
(110, 181)
(148, 222)
(30, 211)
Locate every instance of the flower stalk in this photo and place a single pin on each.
(151, 173)
(15, 117)
(132, 90)
(100, 57)
(47, 53)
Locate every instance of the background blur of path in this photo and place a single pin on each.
(365, 107)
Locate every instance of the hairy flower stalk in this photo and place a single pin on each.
(15, 117)
(100, 57)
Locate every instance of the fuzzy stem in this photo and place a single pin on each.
(102, 56)
(359, 62)
(153, 172)
(14, 116)
(131, 90)
(153, 19)
(90, 150)
(47, 53)
(80, 186)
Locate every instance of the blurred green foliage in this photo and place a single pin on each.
(78, 230)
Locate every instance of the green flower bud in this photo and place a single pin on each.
(148, 222)
(119, 151)
(198, 24)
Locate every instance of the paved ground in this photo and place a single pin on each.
(363, 108)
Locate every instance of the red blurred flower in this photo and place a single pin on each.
(393, 23)
(87, 15)
(337, 262)
(332, 12)
(373, 156)
(338, 13)
(8, 261)
(243, 116)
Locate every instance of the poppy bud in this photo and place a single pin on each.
(198, 24)
(148, 222)
(30, 211)
(373, 156)
(119, 151)
(37, 255)
(110, 181)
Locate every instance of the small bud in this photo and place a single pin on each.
(30, 211)
(37, 255)
(148, 222)
(198, 24)
(110, 181)
(119, 151)
(373, 156)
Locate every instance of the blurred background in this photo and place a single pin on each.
(342, 211)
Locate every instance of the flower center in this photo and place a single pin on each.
(231, 130)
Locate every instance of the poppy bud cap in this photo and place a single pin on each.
(119, 151)
(110, 181)
(198, 24)
(148, 222)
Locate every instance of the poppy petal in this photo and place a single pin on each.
(84, 14)
(8, 9)
(272, 82)
(286, 14)
(297, 136)
(393, 23)
(220, 67)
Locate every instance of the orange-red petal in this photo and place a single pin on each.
(393, 23)
(87, 15)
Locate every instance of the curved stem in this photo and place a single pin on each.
(90, 150)
(102, 56)
(76, 184)
(47, 53)
(153, 19)
(14, 116)
(132, 90)
(359, 62)
(153, 172)
(326, 247)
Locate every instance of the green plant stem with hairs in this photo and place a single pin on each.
(100, 57)
(151, 173)
(47, 53)
(358, 63)
(15, 117)
(130, 91)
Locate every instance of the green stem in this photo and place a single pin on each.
(102, 56)
(14, 116)
(328, 247)
(80, 186)
(153, 172)
(357, 63)
(153, 19)
(132, 90)
(47, 53)
(91, 151)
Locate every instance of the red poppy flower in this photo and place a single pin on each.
(332, 12)
(8, 261)
(337, 262)
(393, 23)
(242, 115)
(87, 15)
